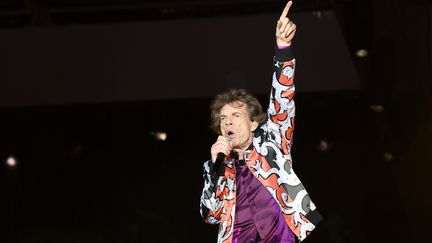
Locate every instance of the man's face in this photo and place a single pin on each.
(236, 125)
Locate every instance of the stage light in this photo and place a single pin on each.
(160, 136)
(377, 108)
(362, 53)
(388, 156)
(11, 161)
(323, 146)
(317, 13)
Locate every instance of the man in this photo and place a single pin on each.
(250, 189)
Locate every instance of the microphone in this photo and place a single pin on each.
(219, 166)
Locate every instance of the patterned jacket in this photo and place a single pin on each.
(269, 159)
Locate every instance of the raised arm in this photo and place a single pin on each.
(281, 109)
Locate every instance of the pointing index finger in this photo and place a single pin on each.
(286, 10)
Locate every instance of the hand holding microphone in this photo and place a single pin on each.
(221, 148)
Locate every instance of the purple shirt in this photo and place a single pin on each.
(258, 217)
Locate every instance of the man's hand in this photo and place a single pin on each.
(222, 145)
(285, 29)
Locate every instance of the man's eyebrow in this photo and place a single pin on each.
(234, 113)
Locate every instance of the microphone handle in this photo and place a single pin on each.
(219, 164)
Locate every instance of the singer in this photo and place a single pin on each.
(250, 188)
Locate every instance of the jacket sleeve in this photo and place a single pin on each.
(280, 125)
(281, 110)
(212, 197)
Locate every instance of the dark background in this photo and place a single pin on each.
(85, 86)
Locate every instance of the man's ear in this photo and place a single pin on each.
(254, 125)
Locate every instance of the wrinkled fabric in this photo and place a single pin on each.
(258, 217)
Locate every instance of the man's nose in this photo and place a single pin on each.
(228, 121)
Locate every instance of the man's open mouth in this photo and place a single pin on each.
(230, 134)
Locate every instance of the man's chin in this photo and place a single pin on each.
(237, 146)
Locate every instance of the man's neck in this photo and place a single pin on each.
(240, 151)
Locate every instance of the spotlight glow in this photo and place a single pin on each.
(323, 146)
(388, 156)
(11, 161)
(160, 136)
(377, 108)
(362, 53)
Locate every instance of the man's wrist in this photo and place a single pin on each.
(283, 45)
(284, 54)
